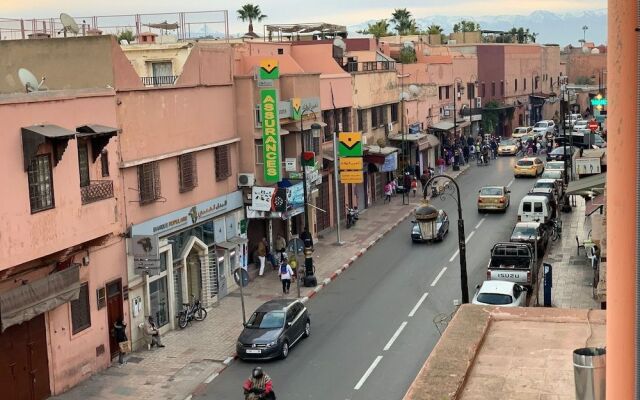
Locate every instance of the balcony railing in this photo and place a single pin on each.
(96, 191)
(366, 66)
(159, 80)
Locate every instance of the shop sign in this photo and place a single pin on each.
(268, 69)
(295, 196)
(588, 166)
(290, 164)
(262, 198)
(146, 254)
(270, 135)
(188, 216)
(390, 163)
(296, 108)
(351, 177)
(351, 163)
(350, 144)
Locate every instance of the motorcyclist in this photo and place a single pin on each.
(485, 154)
(258, 386)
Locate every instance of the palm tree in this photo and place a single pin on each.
(404, 24)
(434, 29)
(377, 29)
(251, 13)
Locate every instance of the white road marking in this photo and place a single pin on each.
(211, 377)
(438, 277)
(418, 304)
(510, 182)
(453, 257)
(469, 237)
(395, 336)
(366, 374)
(480, 223)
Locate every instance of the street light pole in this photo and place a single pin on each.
(462, 246)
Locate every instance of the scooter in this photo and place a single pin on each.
(352, 216)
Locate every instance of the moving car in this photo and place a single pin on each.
(528, 166)
(273, 329)
(430, 224)
(500, 293)
(532, 233)
(559, 153)
(494, 198)
(508, 147)
(521, 131)
(541, 128)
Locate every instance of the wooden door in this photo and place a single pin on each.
(322, 202)
(114, 311)
(24, 366)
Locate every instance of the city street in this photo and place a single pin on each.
(377, 318)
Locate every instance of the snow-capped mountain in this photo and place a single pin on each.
(551, 27)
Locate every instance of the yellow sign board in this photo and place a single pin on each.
(350, 144)
(351, 177)
(351, 163)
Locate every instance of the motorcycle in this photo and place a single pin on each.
(352, 216)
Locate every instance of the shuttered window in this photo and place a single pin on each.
(83, 163)
(222, 162)
(81, 310)
(104, 163)
(188, 172)
(40, 183)
(149, 182)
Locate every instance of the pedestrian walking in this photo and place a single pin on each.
(440, 163)
(414, 186)
(262, 255)
(406, 183)
(120, 334)
(285, 276)
(151, 330)
(388, 190)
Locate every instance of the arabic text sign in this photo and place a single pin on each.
(351, 177)
(351, 164)
(270, 135)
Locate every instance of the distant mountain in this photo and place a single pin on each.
(562, 29)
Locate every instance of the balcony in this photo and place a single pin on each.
(159, 80)
(96, 191)
(368, 66)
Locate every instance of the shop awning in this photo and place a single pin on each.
(36, 135)
(99, 136)
(587, 185)
(239, 240)
(442, 126)
(433, 140)
(306, 125)
(28, 301)
(383, 151)
(463, 124)
(411, 137)
(227, 245)
(283, 132)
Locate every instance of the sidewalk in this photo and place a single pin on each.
(572, 272)
(194, 356)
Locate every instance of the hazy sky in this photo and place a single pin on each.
(288, 11)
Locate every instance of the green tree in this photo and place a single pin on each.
(377, 29)
(408, 55)
(490, 116)
(434, 30)
(126, 35)
(466, 26)
(404, 22)
(250, 12)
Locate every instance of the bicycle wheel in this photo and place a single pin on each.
(200, 314)
(554, 234)
(183, 320)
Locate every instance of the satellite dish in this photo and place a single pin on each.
(29, 80)
(404, 96)
(69, 24)
(408, 44)
(338, 42)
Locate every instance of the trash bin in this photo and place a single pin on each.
(589, 372)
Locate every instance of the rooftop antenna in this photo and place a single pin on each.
(69, 24)
(29, 80)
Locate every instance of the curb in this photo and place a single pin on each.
(326, 281)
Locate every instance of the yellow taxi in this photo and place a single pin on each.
(528, 166)
(494, 198)
(522, 131)
(508, 147)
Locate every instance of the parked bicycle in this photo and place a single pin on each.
(556, 229)
(190, 312)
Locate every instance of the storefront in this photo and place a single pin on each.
(380, 166)
(421, 146)
(190, 253)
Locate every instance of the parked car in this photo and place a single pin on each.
(500, 293)
(529, 166)
(557, 174)
(508, 147)
(541, 128)
(536, 208)
(559, 153)
(494, 198)
(273, 329)
(554, 166)
(544, 185)
(521, 131)
(532, 233)
(430, 224)
(512, 262)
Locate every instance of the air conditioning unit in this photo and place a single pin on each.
(478, 102)
(246, 180)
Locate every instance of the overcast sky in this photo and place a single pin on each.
(289, 11)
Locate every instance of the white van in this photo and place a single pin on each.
(534, 209)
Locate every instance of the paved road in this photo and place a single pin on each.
(372, 328)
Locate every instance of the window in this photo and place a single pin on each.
(327, 117)
(502, 87)
(149, 182)
(535, 81)
(383, 115)
(446, 91)
(256, 117)
(440, 92)
(537, 207)
(159, 300)
(471, 91)
(516, 85)
(83, 162)
(222, 162)
(346, 120)
(162, 68)
(188, 172)
(104, 163)
(524, 84)
(526, 206)
(493, 89)
(374, 117)
(259, 153)
(40, 183)
(484, 90)
(394, 112)
(80, 310)
(362, 120)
